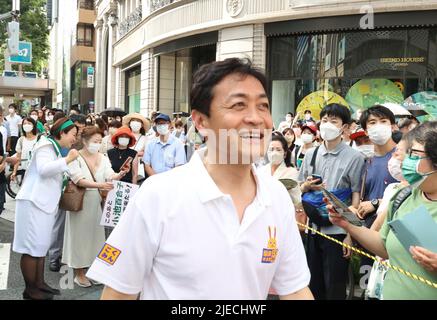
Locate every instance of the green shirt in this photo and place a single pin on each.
(396, 285)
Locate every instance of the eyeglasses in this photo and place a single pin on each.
(411, 150)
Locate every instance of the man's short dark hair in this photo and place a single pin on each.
(78, 118)
(337, 110)
(378, 111)
(307, 111)
(13, 105)
(209, 75)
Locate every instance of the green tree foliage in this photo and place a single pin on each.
(33, 28)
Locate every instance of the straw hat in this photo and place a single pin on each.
(121, 131)
(127, 119)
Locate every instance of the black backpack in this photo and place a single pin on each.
(398, 199)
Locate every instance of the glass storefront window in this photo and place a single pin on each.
(133, 89)
(335, 62)
(176, 71)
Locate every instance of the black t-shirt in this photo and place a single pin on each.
(118, 157)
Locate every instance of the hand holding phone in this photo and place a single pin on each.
(127, 164)
(317, 177)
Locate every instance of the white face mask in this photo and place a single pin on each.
(368, 150)
(34, 117)
(379, 134)
(275, 157)
(162, 129)
(395, 169)
(307, 117)
(11, 111)
(288, 119)
(329, 132)
(27, 128)
(124, 142)
(136, 126)
(49, 118)
(94, 147)
(307, 138)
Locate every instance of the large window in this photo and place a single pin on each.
(176, 70)
(335, 62)
(85, 35)
(86, 4)
(133, 90)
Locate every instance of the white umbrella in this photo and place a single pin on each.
(397, 109)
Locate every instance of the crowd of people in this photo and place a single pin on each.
(90, 150)
(195, 222)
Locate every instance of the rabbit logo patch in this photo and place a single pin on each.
(270, 253)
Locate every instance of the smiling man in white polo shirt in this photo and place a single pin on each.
(227, 232)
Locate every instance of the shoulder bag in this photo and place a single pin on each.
(72, 197)
(103, 194)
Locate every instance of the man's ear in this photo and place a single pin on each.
(201, 122)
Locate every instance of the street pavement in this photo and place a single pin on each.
(14, 282)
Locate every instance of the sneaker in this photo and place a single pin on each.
(86, 284)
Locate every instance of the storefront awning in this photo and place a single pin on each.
(351, 23)
(197, 40)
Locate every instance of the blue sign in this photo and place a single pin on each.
(24, 54)
(90, 71)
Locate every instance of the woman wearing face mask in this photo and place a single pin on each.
(309, 133)
(395, 169)
(139, 126)
(39, 125)
(114, 125)
(84, 237)
(419, 169)
(280, 167)
(25, 145)
(123, 140)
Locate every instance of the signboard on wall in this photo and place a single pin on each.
(90, 77)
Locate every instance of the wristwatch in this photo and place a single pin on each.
(375, 203)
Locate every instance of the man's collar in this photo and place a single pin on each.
(169, 140)
(207, 188)
(336, 151)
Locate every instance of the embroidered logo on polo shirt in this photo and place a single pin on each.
(270, 253)
(109, 254)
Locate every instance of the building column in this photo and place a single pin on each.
(147, 83)
(99, 69)
(243, 42)
(110, 81)
(117, 87)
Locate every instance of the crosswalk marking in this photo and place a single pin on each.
(5, 254)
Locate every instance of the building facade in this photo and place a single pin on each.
(73, 54)
(148, 50)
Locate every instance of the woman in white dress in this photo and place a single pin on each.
(25, 145)
(37, 204)
(84, 237)
(139, 126)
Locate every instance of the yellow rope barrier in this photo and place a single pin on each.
(384, 262)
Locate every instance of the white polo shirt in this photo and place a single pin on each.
(188, 243)
(14, 123)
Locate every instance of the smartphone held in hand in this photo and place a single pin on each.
(126, 165)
